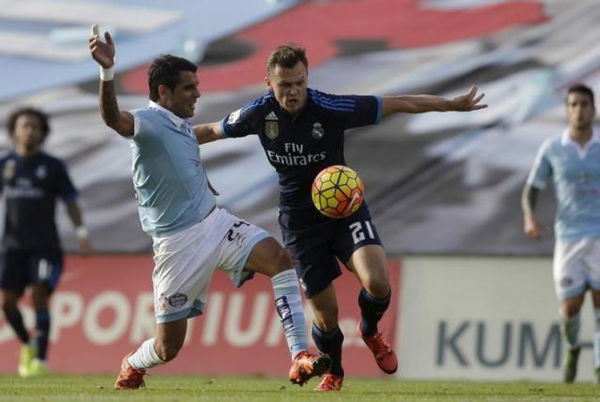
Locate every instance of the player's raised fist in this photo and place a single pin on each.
(102, 52)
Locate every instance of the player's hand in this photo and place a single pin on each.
(102, 52)
(467, 102)
(532, 228)
(85, 247)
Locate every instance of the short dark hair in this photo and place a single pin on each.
(287, 56)
(29, 111)
(165, 70)
(582, 89)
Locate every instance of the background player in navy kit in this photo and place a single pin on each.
(302, 132)
(31, 180)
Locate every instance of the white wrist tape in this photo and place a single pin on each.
(81, 232)
(107, 74)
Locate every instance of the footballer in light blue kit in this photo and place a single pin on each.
(572, 162)
(192, 236)
(302, 131)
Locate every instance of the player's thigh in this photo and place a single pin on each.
(268, 257)
(570, 271)
(596, 298)
(592, 260)
(358, 245)
(14, 271)
(247, 249)
(183, 267)
(315, 264)
(370, 266)
(325, 308)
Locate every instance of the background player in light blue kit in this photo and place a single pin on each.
(572, 162)
(191, 235)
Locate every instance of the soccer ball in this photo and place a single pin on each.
(337, 191)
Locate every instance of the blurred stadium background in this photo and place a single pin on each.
(473, 297)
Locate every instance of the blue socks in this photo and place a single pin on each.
(371, 311)
(42, 326)
(331, 344)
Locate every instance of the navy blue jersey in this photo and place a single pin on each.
(299, 147)
(30, 187)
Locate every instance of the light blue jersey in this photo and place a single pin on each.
(170, 181)
(575, 172)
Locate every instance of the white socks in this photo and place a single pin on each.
(288, 303)
(145, 357)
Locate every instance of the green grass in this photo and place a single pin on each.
(241, 389)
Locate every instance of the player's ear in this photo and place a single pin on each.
(268, 82)
(163, 91)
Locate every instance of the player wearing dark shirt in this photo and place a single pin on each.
(302, 132)
(30, 182)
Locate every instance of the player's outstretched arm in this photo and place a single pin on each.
(208, 132)
(531, 226)
(104, 54)
(432, 103)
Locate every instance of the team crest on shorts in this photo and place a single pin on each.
(177, 300)
(271, 126)
(566, 282)
(317, 131)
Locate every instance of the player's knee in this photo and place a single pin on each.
(326, 321)
(326, 325)
(377, 288)
(166, 351)
(7, 304)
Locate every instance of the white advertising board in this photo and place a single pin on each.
(484, 319)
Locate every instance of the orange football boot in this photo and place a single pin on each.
(330, 382)
(382, 351)
(306, 365)
(130, 377)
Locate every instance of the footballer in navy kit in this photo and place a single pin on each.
(30, 182)
(302, 132)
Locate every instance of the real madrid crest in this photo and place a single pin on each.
(9, 169)
(317, 131)
(271, 126)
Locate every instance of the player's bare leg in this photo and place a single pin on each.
(570, 323)
(328, 336)
(269, 258)
(596, 300)
(369, 265)
(162, 348)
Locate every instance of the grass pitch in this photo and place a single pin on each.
(242, 389)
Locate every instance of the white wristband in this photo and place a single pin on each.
(81, 232)
(107, 74)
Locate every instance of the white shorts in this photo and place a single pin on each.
(184, 262)
(576, 266)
